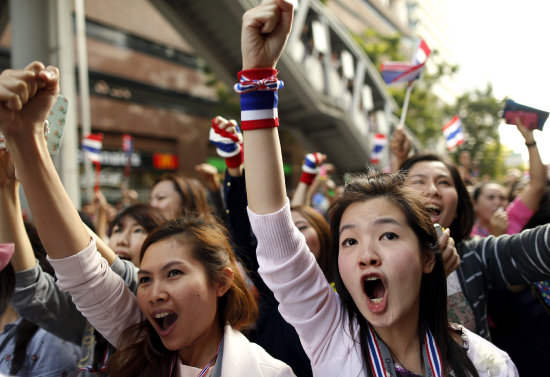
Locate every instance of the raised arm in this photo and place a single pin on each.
(12, 228)
(27, 96)
(310, 169)
(264, 33)
(400, 146)
(532, 193)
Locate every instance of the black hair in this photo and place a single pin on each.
(463, 223)
(433, 288)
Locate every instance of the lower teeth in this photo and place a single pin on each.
(376, 300)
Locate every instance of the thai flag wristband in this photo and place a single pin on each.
(307, 178)
(258, 89)
(310, 168)
(235, 161)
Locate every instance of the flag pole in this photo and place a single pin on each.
(406, 103)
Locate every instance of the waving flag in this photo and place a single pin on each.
(92, 145)
(422, 52)
(396, 72)
(453, 133)
(379, 142)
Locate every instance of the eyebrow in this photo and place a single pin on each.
(381, 220)
(426, 176)
(163, 268)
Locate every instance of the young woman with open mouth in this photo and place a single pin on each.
(191, 300)
(390, 310)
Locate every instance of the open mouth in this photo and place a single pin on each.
(433, 210)
(165, 320)
(374, 289)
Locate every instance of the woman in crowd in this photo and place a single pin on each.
(26, 349)
(485, 262)
(129, 229)
(390, 310)
(39, 300)
(190, 301)
(494, 214)
(176, 195)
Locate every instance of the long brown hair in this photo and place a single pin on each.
(191, 192)
(433, 288)
(321, 227)
(140, 349)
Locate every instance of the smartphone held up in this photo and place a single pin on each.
(54, 126)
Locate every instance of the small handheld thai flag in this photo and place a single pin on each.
(92, 144)
(453, 133)
(379, 142)
(128, 148)
(128, 145)
(396, 72)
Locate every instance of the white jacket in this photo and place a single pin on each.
(103, 298)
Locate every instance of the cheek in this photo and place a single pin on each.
(141, 300)
(313, 242)
(345, 268)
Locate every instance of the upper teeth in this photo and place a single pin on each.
(372, 278)
(162, 315)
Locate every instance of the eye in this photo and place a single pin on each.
(173, 273)
(445, 183)
(144, 280)
(139, 230)
(416, 181)
(302, 227)
(349, 242)
(117, 229)
(389, 236)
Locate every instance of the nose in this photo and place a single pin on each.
(431, 189)
(122, 238)
(157, 293)
(369, 258)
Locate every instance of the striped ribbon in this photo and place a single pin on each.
(246, 85)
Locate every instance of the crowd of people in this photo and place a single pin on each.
(399, 274)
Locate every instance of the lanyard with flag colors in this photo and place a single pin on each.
(207, 367)
(382, 364)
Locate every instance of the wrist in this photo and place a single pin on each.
(235, 161)
(307, 178)
(259, 98)
(530, 144)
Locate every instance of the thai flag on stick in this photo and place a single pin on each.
(396, 72)
(128, 148)
(453, 133)
(379, 142)
(92, 144)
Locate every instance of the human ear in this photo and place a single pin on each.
(429, 263)
(225, 283)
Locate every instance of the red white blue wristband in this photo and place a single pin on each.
(259, 99)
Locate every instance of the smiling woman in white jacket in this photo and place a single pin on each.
(191, 299)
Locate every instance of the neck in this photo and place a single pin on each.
(483, 223)
(200, 353)
(9, 316)
(402, 341)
